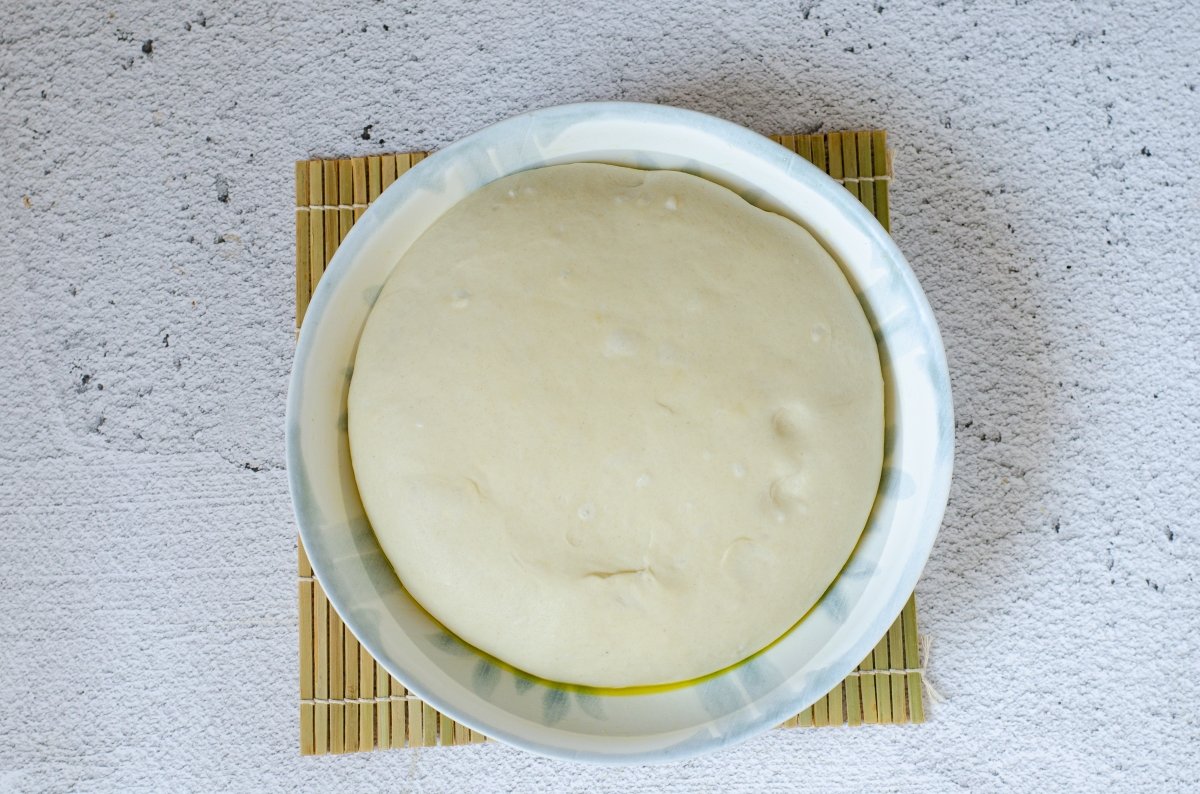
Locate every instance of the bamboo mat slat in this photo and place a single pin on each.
(348, 702)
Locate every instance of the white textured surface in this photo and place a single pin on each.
(1046, 196)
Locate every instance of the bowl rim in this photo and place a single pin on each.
(739, 136)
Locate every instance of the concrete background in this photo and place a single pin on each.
(1046, 195)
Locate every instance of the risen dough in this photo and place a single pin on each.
(616, 427)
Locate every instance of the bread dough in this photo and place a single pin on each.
(616, 427)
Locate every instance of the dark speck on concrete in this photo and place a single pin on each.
(386, 28)
(74, 290)
(1145, 151)
(1156, 586)
(252, 467)
(1170, 534)
(1057, 526)
(99, 387)
(366, 133)
(84, 380)
(220, 238)
(166, 340)
(363, 28)
(222, 185)
(148, 46)
(208, 139)
(187, 26)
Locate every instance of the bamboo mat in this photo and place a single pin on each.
(348, 702)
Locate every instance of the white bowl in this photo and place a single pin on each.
(665, 723)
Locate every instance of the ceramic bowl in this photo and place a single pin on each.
(657, 724)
